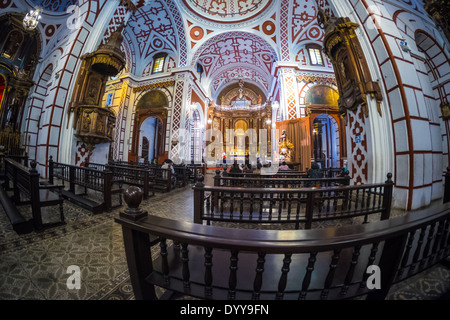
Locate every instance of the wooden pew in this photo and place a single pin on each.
(221, 263)
(161, 180)
(88, 178)
(289, 205)
(133, 176)
(26, 182)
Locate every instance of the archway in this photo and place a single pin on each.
(148, 138)
(151, 119)
(327, 131)
(326, 141)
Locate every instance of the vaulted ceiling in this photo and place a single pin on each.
(231, 39)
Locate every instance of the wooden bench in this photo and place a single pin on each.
(133, 176)
(87, 178)
(26, 182)
(220, 263)
(161, 180)
(288, 205)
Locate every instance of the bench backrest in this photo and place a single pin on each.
(24, 178)
(277, 182)
(212, 262)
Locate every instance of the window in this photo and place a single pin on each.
(109, 99)
(315, 56)
(199, 71)
(158, 63)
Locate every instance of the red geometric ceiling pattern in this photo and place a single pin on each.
(152, 29)
(226, 11)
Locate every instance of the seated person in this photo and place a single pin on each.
(284, 166)
(315, 171)
(235, 168)
(168, 164)
(248, 168)
(258, 168)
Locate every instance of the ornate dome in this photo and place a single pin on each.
(227, 11)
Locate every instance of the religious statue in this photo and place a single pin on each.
(286, 147)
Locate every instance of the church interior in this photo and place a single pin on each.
(144, 144)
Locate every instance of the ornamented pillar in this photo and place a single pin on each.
(179, 107)
(289, 94)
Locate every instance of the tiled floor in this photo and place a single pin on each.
(34, 266)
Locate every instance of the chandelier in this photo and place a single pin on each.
(32, 18)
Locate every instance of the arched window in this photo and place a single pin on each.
(315, 55)
(158, 62)
(199, 71)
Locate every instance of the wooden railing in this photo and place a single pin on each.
(210, 262)
(288, 205)
(276, 182)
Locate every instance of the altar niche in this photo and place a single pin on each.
(19, 53)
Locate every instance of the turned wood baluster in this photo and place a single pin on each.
(252, 201)
(331, 272)
(231, 204)
(290, 199)
(418, 249)
(214, 201)
(185, 259)
(232, 280)
(164, 262)
(406, 254)
(437, 240)
(280, 204)
(222, 201)
(261, 204)
(355, 208)
(372, 257)
(446, 236)
(428, 245)
(208, 271)
(351, 270)
(367, 205)
(270, 206)
(241, 206)
(307, 278)
(257, 283)
(284, 273)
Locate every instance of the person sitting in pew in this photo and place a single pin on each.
(168, 164)
(248, 168)
(284, 166)
(235, 168)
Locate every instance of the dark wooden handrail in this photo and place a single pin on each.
(291, 205)
(389, 244)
